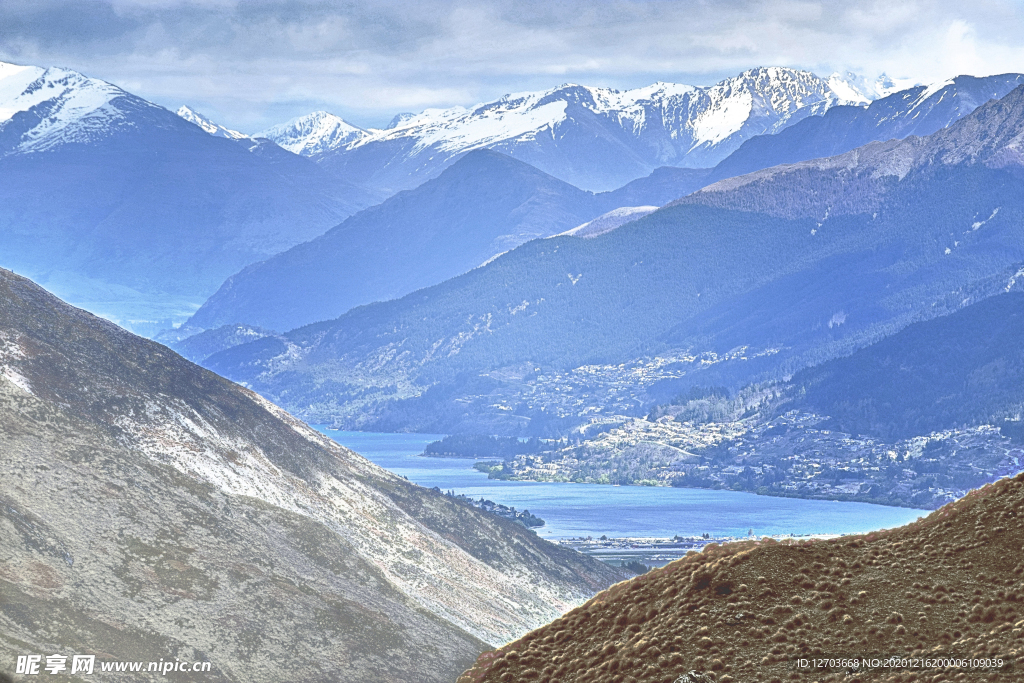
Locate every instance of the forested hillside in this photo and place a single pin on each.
(962, 369)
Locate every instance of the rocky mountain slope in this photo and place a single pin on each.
(149, 505)
(949, 585)
(920, 111)
(594, 138)
(130, 210)
(789, 266)
(859, 181)
(484, 204)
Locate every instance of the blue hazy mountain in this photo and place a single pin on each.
(263, 294)
(813, 260)
(484, 204)
(124, 207)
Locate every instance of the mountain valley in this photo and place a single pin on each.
(693, 278)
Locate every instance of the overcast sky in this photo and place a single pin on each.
(249, 64)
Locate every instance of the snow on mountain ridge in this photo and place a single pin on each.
(862, 90)
(14, 80)
(671, 120)
(214, 129)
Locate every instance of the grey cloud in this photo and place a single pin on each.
(251, 63)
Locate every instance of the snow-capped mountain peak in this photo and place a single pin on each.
(849, 87)
(314, 133)
(64, 106)
(214, 129)
(14, 81)
(594, 137)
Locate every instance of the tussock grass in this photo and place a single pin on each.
(948, 584)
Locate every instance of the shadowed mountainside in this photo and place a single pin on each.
(962, 369)
(482, 205)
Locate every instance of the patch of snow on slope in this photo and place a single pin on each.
(845, 86)
(14, 81)
(488, 125)
(16, 379)
(931, 90)
(609, 221)
(1013, 280)
(978, 224)
(860, 90)
(727, 116)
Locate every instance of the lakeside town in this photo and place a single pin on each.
(790, 455)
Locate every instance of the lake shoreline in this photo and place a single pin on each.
(573, 510)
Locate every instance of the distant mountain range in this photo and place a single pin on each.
(593, 138)
(355, 264)
(812, 260)
(140, 490)
(135, 212)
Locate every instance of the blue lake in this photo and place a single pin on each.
(572, 510)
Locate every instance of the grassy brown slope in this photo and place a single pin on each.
(950, 584)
